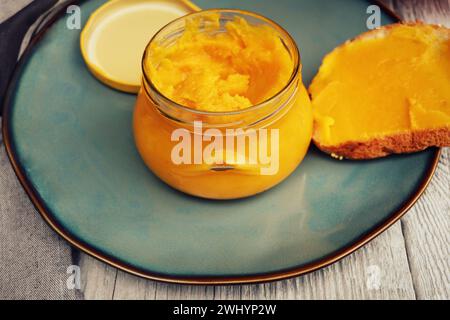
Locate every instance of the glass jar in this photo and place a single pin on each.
(223, 155)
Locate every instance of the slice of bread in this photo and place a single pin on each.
(387, 91)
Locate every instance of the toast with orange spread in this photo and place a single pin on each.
(387, 91)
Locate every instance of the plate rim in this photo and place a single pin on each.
(79, 244)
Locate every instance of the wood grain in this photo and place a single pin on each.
(426, 229)
(98, 279)
(426, 226)
(430, 11)
(346, 279)
(412, 256)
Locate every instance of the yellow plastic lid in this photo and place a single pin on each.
(115, 36)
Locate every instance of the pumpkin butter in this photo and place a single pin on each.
(388, 91)
(226, 71)
(238, 76)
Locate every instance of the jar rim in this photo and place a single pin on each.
(296, 69)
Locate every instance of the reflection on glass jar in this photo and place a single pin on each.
(222, 112)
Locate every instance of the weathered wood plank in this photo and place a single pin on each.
(97, 278)
(427, 234)
(426, 226)
(430, 11)
(378, 271)
(347, 279)
(130, 287)
(233, 292)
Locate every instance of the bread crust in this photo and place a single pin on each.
(408, 142)
(397, 143)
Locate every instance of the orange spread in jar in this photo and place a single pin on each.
(232, 76)
(223, 71)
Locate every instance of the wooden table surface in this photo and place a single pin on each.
(411, 258)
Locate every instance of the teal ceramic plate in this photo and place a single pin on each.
(70, 141)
